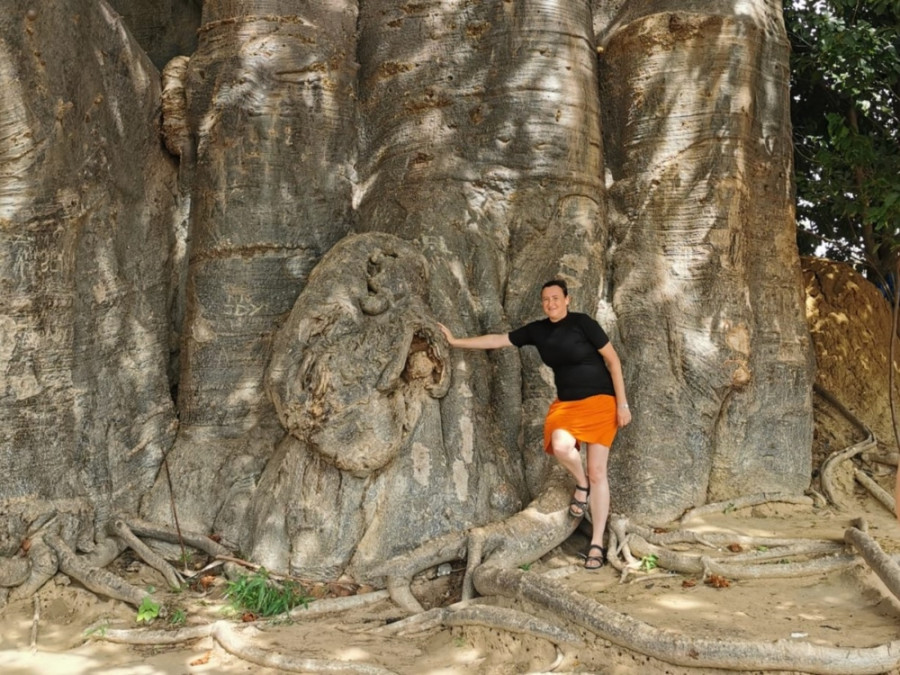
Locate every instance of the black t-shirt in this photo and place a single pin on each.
(569, 347)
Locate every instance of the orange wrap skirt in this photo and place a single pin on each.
(592, 420)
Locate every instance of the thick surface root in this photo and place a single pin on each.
(522, 538)
(881, 563)
(467, 613)
(94, 578)
(236, 643)
(682, 650)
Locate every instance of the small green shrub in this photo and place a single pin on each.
(649, 562)
(263, 596)
(148, 610)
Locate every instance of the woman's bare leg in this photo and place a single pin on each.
(597, 459)
(565, 449)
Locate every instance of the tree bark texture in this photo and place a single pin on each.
(350, 174)
(480, 135)
(703, 255)
(86, 199)
(269, 104)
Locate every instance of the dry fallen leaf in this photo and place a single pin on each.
(735, 548)
(717, 581)
(203, 660)
(688, 583)
(247, 617)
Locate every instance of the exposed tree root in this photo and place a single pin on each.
(693, 563)
(197, 540)
(467, 613)
(240, 646)
(142, 636)
(14, 571)
(745, 502)
(145, 553)
(521, 538)
(826, 477)
(887, 458)
(35, 621)
(95, 579)
(622, 526)
(881, 563)
(235, 643)
(678, 649)
(43, 565)
(879, 493)
(334, 605)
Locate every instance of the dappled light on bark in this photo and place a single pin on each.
(241, 301)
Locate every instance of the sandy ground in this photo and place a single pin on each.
(850, 608)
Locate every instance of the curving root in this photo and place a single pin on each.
(671, 647)
(522, 538)
(881, 563)
(235, 643)
(879, 493)
(468, 613)
(119, 528)
(697, 563)
(745, 502)
(334, 605)
(94, 579)
(834, 459)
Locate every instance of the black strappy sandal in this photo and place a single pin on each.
(595, 562)
(583, 506)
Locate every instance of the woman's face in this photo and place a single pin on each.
(554, 302)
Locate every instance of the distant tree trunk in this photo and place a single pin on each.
(86, 201)
(704, 260)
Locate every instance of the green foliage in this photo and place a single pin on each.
(845, 94)
(525, 567)
(148, 610)
(649, 562)
(178, 618)
(261, 595)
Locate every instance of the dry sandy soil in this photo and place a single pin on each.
(850, 608)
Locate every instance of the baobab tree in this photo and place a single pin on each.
(227, 310)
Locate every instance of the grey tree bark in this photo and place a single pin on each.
(350, 175)
(268, 111)
(87, 196)
(703, 255)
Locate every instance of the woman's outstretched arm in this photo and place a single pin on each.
(489, 341)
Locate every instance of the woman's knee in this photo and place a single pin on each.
(597, 474)
(562, 442)
(597, 461)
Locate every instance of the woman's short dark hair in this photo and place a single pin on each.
(557, 282)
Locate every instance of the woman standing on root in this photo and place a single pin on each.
(590, 406)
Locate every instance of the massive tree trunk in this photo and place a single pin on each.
(269, 110)
(324, 424)
(87, 195)
(703, 255)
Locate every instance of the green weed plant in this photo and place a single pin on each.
(259, 594)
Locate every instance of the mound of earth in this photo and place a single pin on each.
(850, 323)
